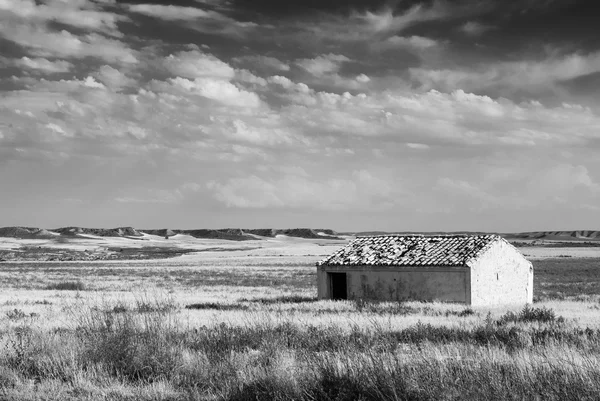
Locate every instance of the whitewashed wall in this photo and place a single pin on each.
(501, 276)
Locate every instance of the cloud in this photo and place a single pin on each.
(46, 43)
(419, 146)
(508, 77)
(81, 14)
(371, 27)
(563, 178)
(44, 65)
(216, 89)
(44, 30)
(196, 64)
(57, 129)
(386, 20)
(415, 43)
(113, 78)
(362, 78)
(474, 28)
(198, 19)
(153, 196)
(263, 63)
(249, 78)
(324, 64)
(296, 191)
(171, 12)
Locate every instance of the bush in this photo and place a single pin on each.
(67, 286)
(16, 314)
(529, 314)
(138, 347)
(284, 299)
(216, 306)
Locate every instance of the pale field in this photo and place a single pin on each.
(574, 252)
(235, 274)
(232, 283)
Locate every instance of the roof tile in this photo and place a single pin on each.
(411, 250)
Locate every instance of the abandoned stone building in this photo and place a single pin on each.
(472, 269)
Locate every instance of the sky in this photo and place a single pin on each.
(406, 115)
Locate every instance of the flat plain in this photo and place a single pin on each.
(240, 320)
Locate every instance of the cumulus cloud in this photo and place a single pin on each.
(217, 89)
(224, 126)
(362, 78)
(113, 78)
(196, 64)
(33, 25)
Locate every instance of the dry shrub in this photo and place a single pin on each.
(67, 286)
(133, 345)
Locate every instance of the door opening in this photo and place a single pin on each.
(338, 288)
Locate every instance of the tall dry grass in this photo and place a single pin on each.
(147, 349)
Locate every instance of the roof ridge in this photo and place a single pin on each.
(427, 235)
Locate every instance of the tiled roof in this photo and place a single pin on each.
(411, 250)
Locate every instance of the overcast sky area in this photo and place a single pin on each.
(350, 115)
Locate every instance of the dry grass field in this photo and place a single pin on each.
(245, 325)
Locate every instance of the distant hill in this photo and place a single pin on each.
(232, 234)
(564, 236)
(581, 235)
(26, 233)
(100, 232)
(239, 234)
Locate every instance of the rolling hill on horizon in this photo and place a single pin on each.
(238, 234)
(233, 234)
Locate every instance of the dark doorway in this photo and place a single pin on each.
(338, 285)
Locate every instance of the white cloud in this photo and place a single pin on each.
(195, 64)
(219, 90)
(414, 42)
(419, 146)
(45, 65)
(90, 82)
(362, 78)
(57, 129)
(113, 78)
(515, 76)
(247, 77)
(171, 12)
(324, 64)
(45, 43)
(81, 14)
(387, 21)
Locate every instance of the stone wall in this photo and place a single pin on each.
(447, 284)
